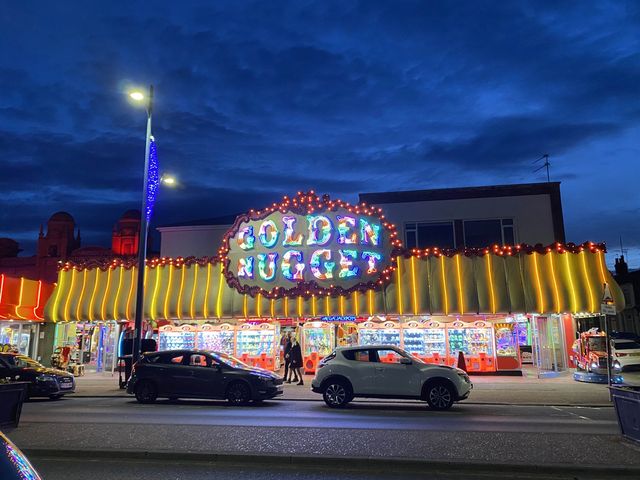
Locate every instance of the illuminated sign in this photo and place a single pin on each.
(309, 245)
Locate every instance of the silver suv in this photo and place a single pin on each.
(383, 371)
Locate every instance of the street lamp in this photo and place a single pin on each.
(140, 97)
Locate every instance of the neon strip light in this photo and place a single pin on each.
(327, 306)
(574, 302)
(313, 305)
(272, 306)
(356, 303)
(154, 298)
(538, 284)
(193, 292)
(341, 304)
(603, 277)
(414, 289)
(205, 307)
(131, 287)
(1, 286)
(179, 309)
(115, 300)
(444, 286)
(39, 299)
(399, 286)
(66, 304)
(244, 305)
(84, 284)
(20, 299)
(592, 305)
(219, 298)
(286, 306)
(556, 295)
(259, 306)
(56, 301)
(460, 291)
(370, 301)
(300, 307)
(103, 310)
(93, 293)
(491, 290)
(167, 295)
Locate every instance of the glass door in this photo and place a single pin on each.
(548, 353)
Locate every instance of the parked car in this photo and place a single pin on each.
(43, 381)
(198, 374)
(625, 354)
(14, 464)
(383, 371)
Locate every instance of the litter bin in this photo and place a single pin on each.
(124, 370)
(12, 395)
(627, 403)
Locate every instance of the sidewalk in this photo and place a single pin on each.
(526, 390)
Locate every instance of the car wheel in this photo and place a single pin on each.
(440, 396)
(239, 393)
(55, 397)
(146, 392)
(337, 393)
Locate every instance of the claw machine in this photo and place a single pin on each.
(318, 341)
(426, 341)
(176, 337)
(475, 341)
(217, 338)
(507, 351)
(385, 333)
(522, 328)
(258, 344)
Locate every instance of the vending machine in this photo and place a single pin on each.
(507, 351)
(522, 329)
(426, 341)
(475, 341)
(258, 344)
(217, 338)
(386, 333)
(318, 341)
(176, 338)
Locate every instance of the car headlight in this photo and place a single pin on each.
(45, 378)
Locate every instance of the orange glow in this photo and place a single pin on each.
(341, 304)
(84, 284)
(205, 307)
(179, 309)
(370, 301)
(286, 306)
(220, 292)
(538, 284)
(414, 288)
(592, 304)
(327, 306)
(272, 306)
(556, 295)
(130, 295)
(103, 307)
(167, 295)
(154, 298)
(20, 298)
(313, 305)
(244, 305)
(56, 300)
(69, 295)
(193, 292)
(356, 303)
(115, 300)
(398, 286)
(460, 291)
(39, 298)
(259, 305)
(444, 286)
(93, 293)
(1, 285)
(603, 277)
(574, 302)
(300, 307)
(491, 289)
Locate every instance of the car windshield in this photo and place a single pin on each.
(229, 360)
(26, 362)
(597, 343)
(627, 345)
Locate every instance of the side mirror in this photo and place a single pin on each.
(405, 361)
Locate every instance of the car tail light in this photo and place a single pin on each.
(621, 354)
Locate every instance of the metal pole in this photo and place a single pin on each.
(142, 244)
(608, 341)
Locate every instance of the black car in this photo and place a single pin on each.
(13, 463)
(43, 381)
(198, 374)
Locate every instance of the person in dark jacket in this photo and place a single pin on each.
(295, 356)
(287, 356)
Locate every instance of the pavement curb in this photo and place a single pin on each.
(378, 464)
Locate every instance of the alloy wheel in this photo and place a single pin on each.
(335, 394)
(440, 397)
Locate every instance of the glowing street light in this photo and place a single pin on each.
(168, 180)
(137, 96)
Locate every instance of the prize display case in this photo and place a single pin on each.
(318, 341)
(523, 338)
(258, 345)
(507, 351)
(475, 341)
(217, 338)
(386, 333)
(426, 341)
(176, 338)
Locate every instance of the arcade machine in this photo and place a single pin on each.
(385, 333)
(258, 345)
(217, 338)
(426, 341)
(475, 341)
(522, 330)
(507, 351)
(317, 342)
(176, 338)
(346, 334)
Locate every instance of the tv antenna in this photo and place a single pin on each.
(546, 165)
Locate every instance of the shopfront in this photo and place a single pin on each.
(92, 344)
(336, 274)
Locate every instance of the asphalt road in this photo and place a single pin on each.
(310, 414)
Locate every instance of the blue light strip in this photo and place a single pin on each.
(153, 178)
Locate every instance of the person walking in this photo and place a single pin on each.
(287, 355)
(295, 355)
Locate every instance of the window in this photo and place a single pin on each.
(426, 235)
(388, 356)
(357, 355)
(198, 360)
(482, 233)
(170, 358)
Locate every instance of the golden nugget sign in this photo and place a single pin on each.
(308, 245)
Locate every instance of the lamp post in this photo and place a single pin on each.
(144, 228)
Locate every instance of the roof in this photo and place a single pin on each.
(61, 217)
(131, 215)
(461, 193)
(223, 220)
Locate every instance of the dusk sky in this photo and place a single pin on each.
(259, 99)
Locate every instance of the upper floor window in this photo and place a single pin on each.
(426, 235)
(482, 233)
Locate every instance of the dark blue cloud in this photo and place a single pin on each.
(258, 99)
